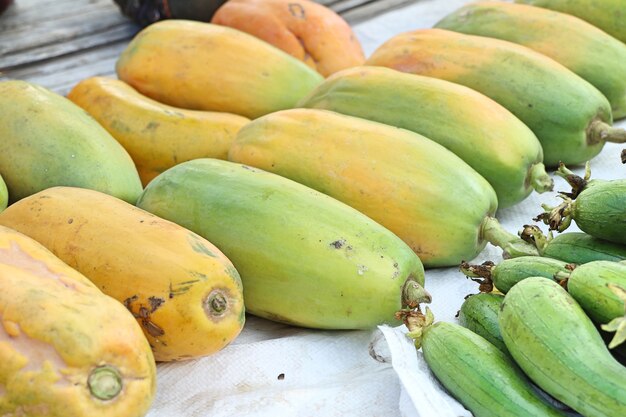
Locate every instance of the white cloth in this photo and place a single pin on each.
(277, 370)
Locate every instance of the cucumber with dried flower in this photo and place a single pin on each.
(569, 116)
(598, 207)
(554, 342)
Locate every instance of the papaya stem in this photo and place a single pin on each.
(578, 183)
(599, 132)
(512, 246)
(617, 325)
(557, 218)
(533, 234)
(539, 179)
(104, 382)
(480, 274)
(413, 294)
(417, 322)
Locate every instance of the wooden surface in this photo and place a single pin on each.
(57, 43)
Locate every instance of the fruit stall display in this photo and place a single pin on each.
(265, 164)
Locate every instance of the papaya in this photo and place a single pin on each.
(477, 129)
(558, 347)
(66, 349)
(47, 140)
(479, 313)
(607, 15)
(184, 292)
(304, 258)
(203, 66)
(4, 195)
(569, 116)
(416, 188)
(583, 48)
(309, 31)
(156, 136)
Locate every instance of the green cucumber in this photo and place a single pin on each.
(557, 346)
(479, 313)
(304, 258)
(574, 247)
(511, 271)
(597, 207)
(478, 374)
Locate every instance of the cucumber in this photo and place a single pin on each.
(596, 206)
(477, 129)
(479, 313)
(479, 375)
(574, 247)
(557, 346)
(511, 271)
(588, 51)
(303, 257)
(569, 116)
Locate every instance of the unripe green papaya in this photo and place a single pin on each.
(477, 129)
(558, 347)
(569, 116)
(479, 313)
(583, 48)
(4, 195)
(304, 258)
(47, 140)
(608, 15)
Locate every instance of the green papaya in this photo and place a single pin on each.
(477, 129)
(47, 141)
(479, 313)
(304, 258)
(4, 194)
(583, 48)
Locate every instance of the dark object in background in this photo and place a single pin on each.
(4, 4)
(623, 156)
(145, 12)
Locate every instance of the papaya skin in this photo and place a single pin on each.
(184, 292)
(607, 15)
(586, 50)
(569, 116)
(4, 195)
(202, 66)
(477, 129)
(309, 31)
(409, 184)
(155, 135)
(304, 258)
(57, 345)
(47, 141)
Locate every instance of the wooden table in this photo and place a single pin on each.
(57, 43)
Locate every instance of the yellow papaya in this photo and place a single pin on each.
(411, 185)
(184, 292)
(4, 194)
(66, 349)
(156, 136)
(47, 141)
(203, 66)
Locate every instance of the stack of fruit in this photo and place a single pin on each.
(222, 169)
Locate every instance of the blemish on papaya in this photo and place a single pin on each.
(198, 246)
(297, 11)
(151, 126)
(70, 221)
(338, 244)
(155, 303)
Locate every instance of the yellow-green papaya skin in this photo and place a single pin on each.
(411, 185)
(569, 116)
(4, 195)
(155, 135)
(66, 349)
(607, 15)
(558, 347)
(47, 140)
(303, 257)
(477, 129)
(202, 66)
(583, 48)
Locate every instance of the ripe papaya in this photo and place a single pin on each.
(607, 15)
(4, 195)
(583, 48)
(156, 136)
(569, 116)
(309, 31)
(411, 185)
(202, 66)
(304, 258)
(184, 292)
(477, 129)
(47, 140)
(66, 349)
